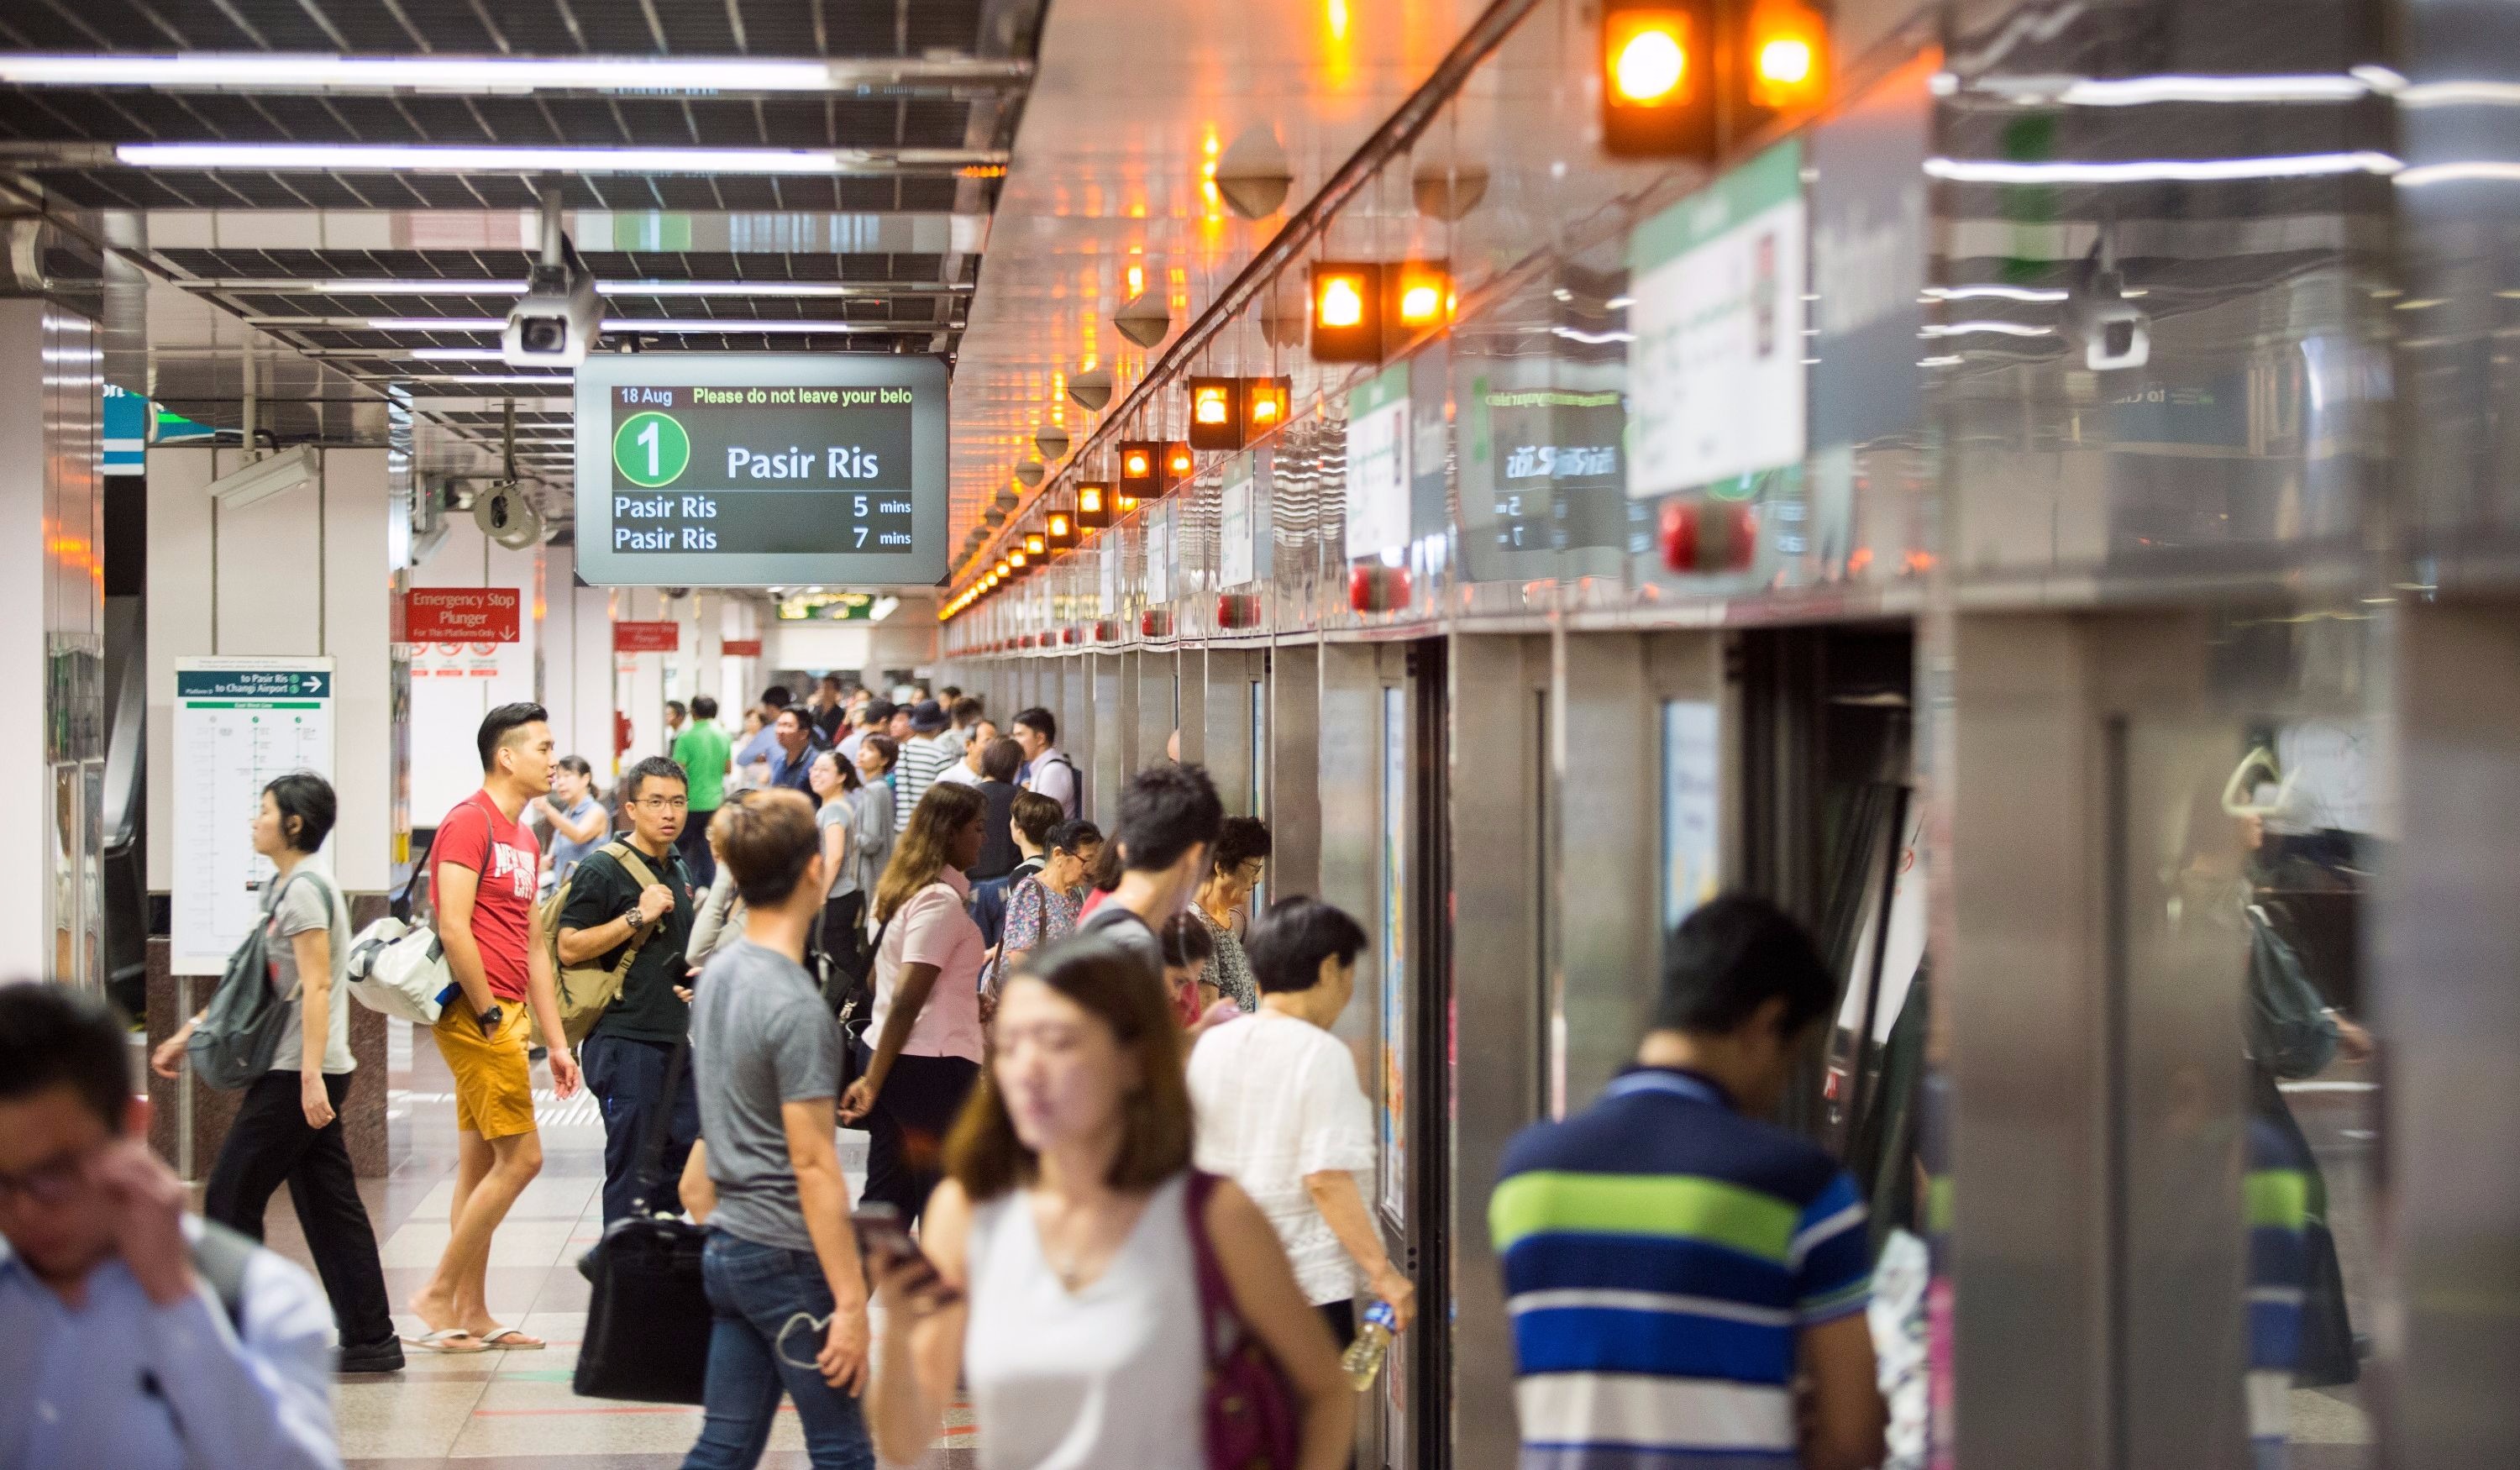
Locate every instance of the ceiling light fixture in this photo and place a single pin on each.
(268, 71)
(664, 326)
(292, 286)
(407, 157)
(2160, 170)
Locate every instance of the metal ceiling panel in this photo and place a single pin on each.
(1129, 99)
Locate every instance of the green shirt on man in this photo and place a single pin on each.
(702, 752)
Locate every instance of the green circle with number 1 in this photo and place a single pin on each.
(651, 449)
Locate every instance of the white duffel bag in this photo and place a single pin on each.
(399, 970)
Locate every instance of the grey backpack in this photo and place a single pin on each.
(239, 1036)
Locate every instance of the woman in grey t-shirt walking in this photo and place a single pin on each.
(289, 1127)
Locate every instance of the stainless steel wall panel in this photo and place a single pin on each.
(1189, 705)
(1500, 983)
(2448, 1014)
(2028, 1163)
(1349, 749)
(1158, 698)
(1224, 725)
(1604, 760)
(1116, 726)
(1294, 814)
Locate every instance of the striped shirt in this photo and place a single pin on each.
(1660, 1253)
(922, 759)
(2277, 1194)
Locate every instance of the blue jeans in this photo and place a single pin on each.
(628, 1080)
(755, 1290)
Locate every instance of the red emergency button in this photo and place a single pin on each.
(1700, 535)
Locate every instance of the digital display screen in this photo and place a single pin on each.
(757, 470)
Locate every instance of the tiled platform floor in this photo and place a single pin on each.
(506, 1410)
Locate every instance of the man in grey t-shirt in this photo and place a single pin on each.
(761, 1038)
(766, 1056)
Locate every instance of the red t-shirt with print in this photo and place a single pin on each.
(479, 836)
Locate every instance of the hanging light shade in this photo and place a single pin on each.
(1145, 320)
(1030, 473)
(1052, 441)
(1447, 187)
(1006, 498)
(1252, 175)
(1091, 389)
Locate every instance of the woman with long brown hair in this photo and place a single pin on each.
(925, 1029)
(1059, 1272)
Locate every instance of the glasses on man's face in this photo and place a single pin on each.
(661, 804)
(47, 1184)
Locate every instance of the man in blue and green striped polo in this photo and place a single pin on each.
(1672, 1263)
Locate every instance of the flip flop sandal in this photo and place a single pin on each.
(447, 1340)
(513, 1340)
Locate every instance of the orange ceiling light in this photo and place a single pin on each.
(1138, 462)
(1216, 413)
(1035, 544)
(1179, 464)
(1264, 405)
(1093, 506)
(1422, 294)
(1657, 98)
(1059, 530)
(1787, 46)
(1347, 311)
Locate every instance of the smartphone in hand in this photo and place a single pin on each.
(884, 1239)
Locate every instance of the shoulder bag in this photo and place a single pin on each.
(647, 1317)
(2290, 1033)
(587, 991)
(238, 1037)
(1251, 1418)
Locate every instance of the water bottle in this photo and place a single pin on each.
(1364, 1357)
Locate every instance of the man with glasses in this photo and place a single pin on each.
(131, 1333)
(625, 894)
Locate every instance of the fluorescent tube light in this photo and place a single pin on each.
(293, 286)
(270, 475)
(411, 158)
(268, 71)
(2159, 170)
(1995, 292)
(661, 326)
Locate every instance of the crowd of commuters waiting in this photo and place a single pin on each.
(1108, 1097)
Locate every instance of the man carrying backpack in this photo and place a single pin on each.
(627, 911)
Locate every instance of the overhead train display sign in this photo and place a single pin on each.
(739, 470)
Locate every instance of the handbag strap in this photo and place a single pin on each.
(1215, 1299)
(650, 1167)
(639, 873)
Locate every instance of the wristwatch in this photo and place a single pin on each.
(490, 1019)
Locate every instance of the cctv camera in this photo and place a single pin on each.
(558, 318)
(507, 515)
(2112, 331)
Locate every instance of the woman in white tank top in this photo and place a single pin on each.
(1058, 1277)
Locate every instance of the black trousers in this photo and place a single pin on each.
(693, 843)
(906, 1130)
(269, 1143)
(628, 1080)
(845, 934)
(1342, 1315)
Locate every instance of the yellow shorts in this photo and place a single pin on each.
(494, 1082)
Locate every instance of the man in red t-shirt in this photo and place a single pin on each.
(482, 877)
